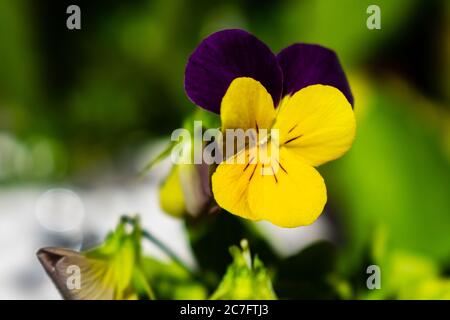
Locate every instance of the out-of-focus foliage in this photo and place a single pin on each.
(340, 25)
(413, 277)
(396, 175)
(404, 274)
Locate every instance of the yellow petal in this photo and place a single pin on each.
(293, 196)
(247, 104)
(286, 191)
(230, 184)
(317, 123)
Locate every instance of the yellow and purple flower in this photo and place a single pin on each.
(302, 92)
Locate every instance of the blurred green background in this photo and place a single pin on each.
(75, 105)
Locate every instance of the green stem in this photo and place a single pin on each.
(147, 235)
(150, 237)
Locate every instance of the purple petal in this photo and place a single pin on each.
(224, 56)
(307, 64)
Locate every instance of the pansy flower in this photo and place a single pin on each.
(302, 92)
